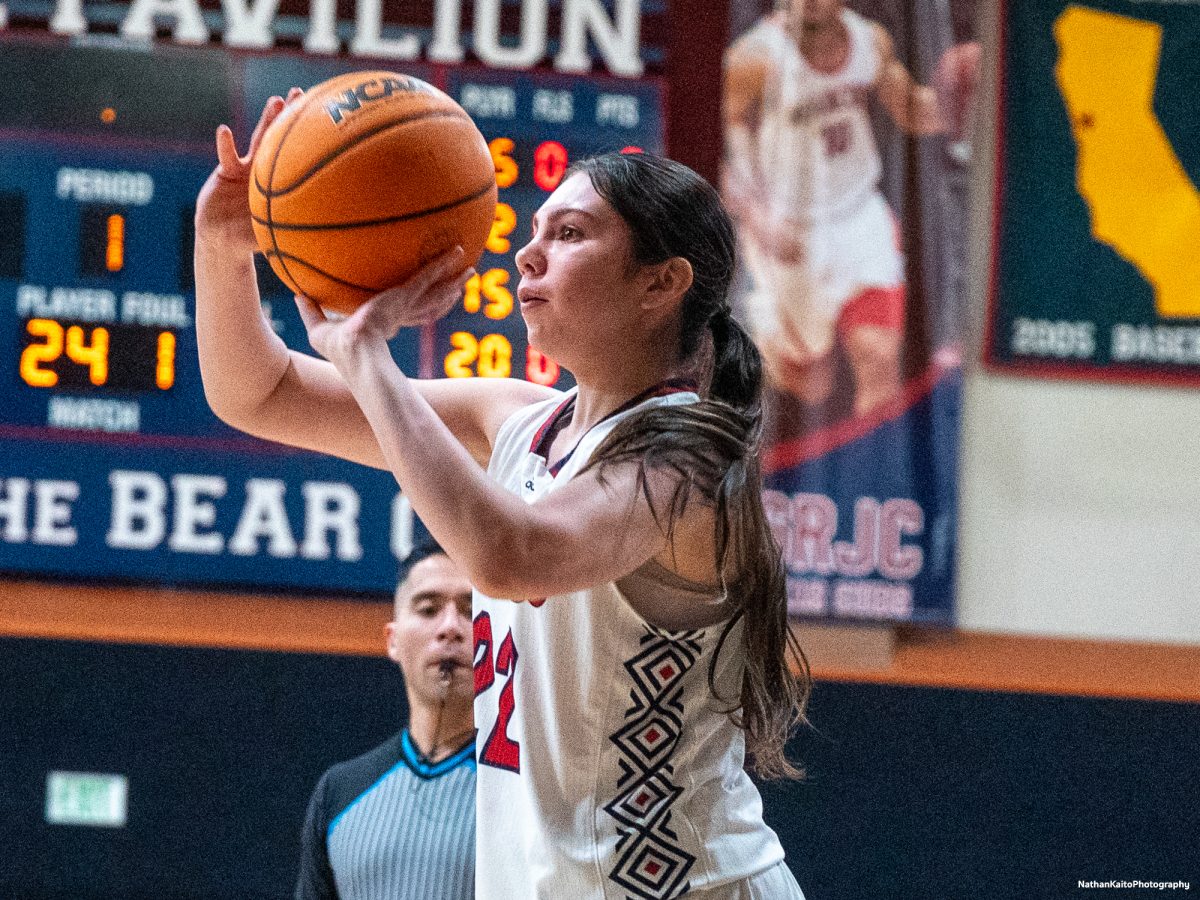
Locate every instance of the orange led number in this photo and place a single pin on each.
(549, 164)
(93, 355)
(539, 368)
(502, 227)
(36, 354)
(164, 369)
(488, 286)
(506, 166)
(491, 355)
(114, 249)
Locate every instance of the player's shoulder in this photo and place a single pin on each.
(515, 399)
(475, 408)
(486, 393)
(874, 30)
(517, 393)
(518, 420)
(753, 45)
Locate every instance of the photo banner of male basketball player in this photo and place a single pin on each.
(1096, 266)
(847, 126)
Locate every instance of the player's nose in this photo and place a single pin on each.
(530, 259)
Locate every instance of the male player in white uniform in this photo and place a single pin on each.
(803, 174)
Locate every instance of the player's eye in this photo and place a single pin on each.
(569, 233)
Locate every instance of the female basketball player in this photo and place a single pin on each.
(630, 629)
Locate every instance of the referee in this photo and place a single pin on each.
(398, 822)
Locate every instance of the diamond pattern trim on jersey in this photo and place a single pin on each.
(650, 862)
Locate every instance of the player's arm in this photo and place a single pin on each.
(912, 106)
(743, 82)
(589, 531)
(255, 383)
(745, 187)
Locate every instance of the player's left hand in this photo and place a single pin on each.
(956, 81)
(223, 206)
(424, 298)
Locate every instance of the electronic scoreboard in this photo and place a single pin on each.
(112, 466)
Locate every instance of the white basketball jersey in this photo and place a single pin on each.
(816, 147)
(607, 769)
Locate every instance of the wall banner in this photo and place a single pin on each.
(1096, 263)
(847, 155)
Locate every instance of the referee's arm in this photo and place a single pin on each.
(315, 881)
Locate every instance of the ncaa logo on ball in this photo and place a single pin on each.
(370, 92)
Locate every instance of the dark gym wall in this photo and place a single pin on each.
(221, 749)
(912, 792)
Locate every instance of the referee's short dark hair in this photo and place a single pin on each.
(424, 546)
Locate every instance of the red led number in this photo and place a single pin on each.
(539, 368)
(549, 164)
(499, 750)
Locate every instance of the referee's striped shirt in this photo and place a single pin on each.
(390, 826)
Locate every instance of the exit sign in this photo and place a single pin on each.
(86, 798)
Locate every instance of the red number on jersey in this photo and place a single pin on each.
(499, 750)
(838, 137)
(485, 676)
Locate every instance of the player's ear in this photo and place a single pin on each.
(667, 282)
(393, 642)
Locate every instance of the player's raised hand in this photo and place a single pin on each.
(424, 298)
(223, 208)
(956, 81)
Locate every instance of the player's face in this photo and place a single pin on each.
(578, 288)
(431, 633)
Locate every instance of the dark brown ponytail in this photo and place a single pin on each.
(712, 447)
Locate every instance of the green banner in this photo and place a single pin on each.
(1097, 254)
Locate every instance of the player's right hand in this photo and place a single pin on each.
(223, 206)
(424, 298)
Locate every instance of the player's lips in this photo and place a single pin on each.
(528, 298)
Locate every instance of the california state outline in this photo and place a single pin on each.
(1141, 201)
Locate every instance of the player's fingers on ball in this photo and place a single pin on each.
(447, 266)
(310, 313)
(270, 112)
(445, 293)
(436, 270)
(454, 282)
(440, 303)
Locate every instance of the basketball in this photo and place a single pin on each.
(365, 178)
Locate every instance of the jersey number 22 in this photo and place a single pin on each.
(499, 750)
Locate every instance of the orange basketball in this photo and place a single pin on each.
(365, 178)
